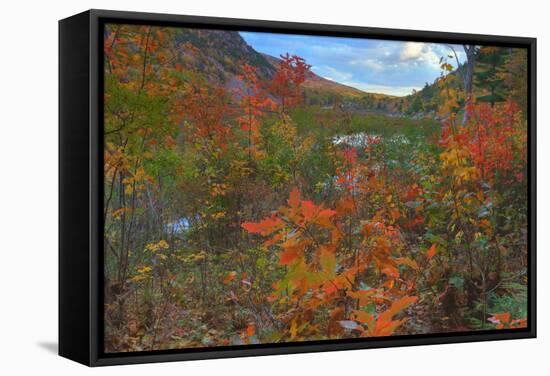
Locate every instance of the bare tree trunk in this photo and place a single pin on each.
(468, 76)
(467, 73)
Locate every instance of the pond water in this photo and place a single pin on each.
(363, 139)
(358, 140)
(178, 226)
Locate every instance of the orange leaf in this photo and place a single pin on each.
(251, 227)
(364, 296)
(265, 227)
(519, 323)
(431, 251)
(327, 213)
(229, 277)
(386, 328)
(503, 318)
(286, 257)
(250, 330)
(308, 209)
(401, 304)
(323, 218)
(395, 214)
(391, 271)
(294, 199)
(364, 317)
(345, 206)
(484, 223)
(268, 243)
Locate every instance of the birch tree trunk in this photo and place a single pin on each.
(468, 76)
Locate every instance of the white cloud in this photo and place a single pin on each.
(416, 52)
(412, 51)
(390, 67)
(399, 91)
(373, 64)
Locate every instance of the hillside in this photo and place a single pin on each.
(218, 56)
(320, 90)
(220, 53)
(499, 74)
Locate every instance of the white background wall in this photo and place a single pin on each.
(28, 186)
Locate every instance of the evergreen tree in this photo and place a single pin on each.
(488, 77)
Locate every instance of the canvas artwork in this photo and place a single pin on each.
(263, 188)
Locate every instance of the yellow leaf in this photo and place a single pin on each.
(144, 269)
(128, 189)
(327, 260)
(293, 329)
(407, 261)
(218, 215)
(139, 174)
(118, 212)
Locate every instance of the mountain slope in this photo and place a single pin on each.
(221, 54)
(317, 85)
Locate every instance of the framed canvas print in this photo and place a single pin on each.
(236, 187)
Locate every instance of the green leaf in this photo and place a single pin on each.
(457, 282)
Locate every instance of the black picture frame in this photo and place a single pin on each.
(80, 187)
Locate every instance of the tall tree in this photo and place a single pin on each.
(467, 72)
(488, 76)
(286, 82)
(514, 75)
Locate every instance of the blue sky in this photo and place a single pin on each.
(379, 66)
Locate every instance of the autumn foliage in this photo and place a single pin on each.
(233, 217)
